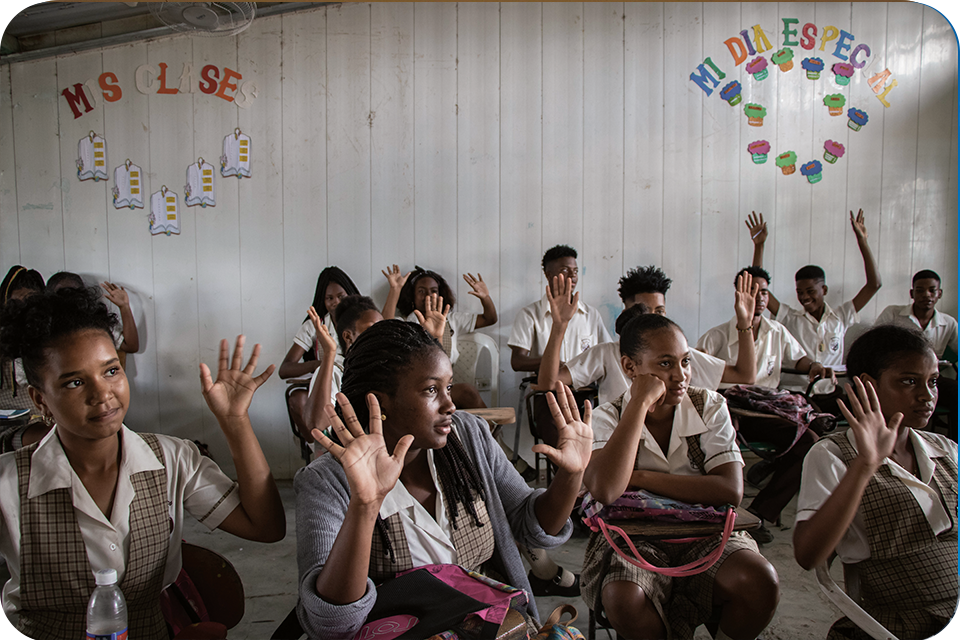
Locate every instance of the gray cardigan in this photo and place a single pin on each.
(322, 497)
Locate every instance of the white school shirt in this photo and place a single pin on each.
(823, 340)
(194, 483)
(460, 322)
(531, 330)
(717, 436)
(941, 331)
(307, 335)
(335, 381)
(775, 348)
(823, 469)
(601, 363)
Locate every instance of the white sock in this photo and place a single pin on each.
(542, 566)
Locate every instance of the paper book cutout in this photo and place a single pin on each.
(92, 158)
(235, 160)
(128, 186)
(199, 189)
(164, 212)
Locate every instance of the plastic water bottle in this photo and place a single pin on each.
(107, 610)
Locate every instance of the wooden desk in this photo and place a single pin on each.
(496, 417)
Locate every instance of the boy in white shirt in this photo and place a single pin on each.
(939, 328)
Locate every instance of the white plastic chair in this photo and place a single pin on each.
(847, 601)
(478, 364)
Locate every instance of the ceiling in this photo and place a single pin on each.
(53, 28)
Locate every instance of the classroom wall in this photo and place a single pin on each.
(472, 137)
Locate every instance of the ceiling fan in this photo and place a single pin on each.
(205, 18)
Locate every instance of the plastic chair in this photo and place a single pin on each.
(848, 602)
(472, 347)
(210, 577)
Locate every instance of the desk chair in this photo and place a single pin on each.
(298, 387)
(477, 349)
(849, 602)
(220, 591)
(541, 424)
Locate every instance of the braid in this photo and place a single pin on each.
(459, 479)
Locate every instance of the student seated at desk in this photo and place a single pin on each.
(95, 495)
(883, 494)
(425, 484)
(19, 284)
(677, 441)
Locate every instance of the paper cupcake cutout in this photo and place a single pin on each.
(857, 119)
(813, 67)
(832, 150)
(731, 93)
(164, 214)
(758, 68)
(755, 114)
(759, 151)
(813, 171)
(127, 187)
(92, 158)
(235, 160)
(199, 187)
(834, 103)
(783, 59)
(843, 71)
(787, 162)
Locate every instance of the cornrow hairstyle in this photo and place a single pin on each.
(926, 274)
(376, 362)
(810, 272)
(28, 327)
(407, 301)
(756, 272)
(19, 277)
(629, 314)
(649, 279)
(876, 350)
(557, 252)
(326, 277)
(64, 279)
(347, 313)
(634, 339)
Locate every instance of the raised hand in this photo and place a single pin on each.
(859, 225)
(326, 341)
(875, 437)
(745, 299)
(394, 277)
(371, 470)
(574, 436)
(757, 227)
(563, 305)
(230, 395)
(116, 295)
(477, 285)
(434, 321)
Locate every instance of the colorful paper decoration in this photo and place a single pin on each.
(834, 103)
(127, 186)
(843, 71)
(164, 214)
(858, 118)
(832, 151)
(235, 160)
(759, 151)
(813, 67)
(783, 59)
(813, 171)
(731, 93)
(758, 68)
(755, 114)
(787, 162)
(92, 158)
(199, 189)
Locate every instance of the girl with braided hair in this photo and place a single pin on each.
(18, 284)
(422, 484)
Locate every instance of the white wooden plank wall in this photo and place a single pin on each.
(473, 137)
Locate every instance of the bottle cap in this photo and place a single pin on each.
(105, 577)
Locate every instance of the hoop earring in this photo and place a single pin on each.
(383, 417)
(48, 420)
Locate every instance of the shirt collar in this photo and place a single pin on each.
(686, 421)
(827, 312)
(935, 321)
(930, 450)
(544, 310)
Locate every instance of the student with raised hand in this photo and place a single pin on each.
(674, 440)
(646, 288)
(95, 495)
(883, 494)
(129, 338)
(418, 472)
(816, 325)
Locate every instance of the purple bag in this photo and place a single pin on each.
(643, 505)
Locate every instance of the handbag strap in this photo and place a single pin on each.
(690, 569)
(554, 617)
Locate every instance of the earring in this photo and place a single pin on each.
(48, 420)
(383, 416)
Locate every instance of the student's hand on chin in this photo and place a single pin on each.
(648, 389)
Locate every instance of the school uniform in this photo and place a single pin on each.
(531, 330)
(458, 323)
(53, 536)
(601, 363)
(335, 380)
(701, 440)
(904, 535)
(306, 337)
(941, 331)
(775, 348)
(821, 339)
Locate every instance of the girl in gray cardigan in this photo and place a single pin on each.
(458, 499)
